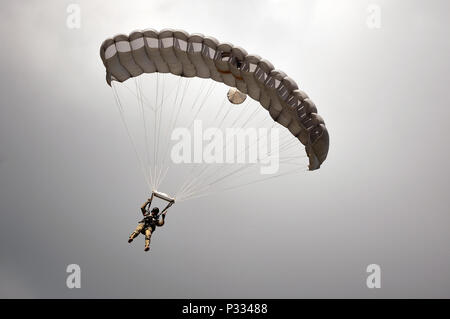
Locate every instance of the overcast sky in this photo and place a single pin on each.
(70, 189)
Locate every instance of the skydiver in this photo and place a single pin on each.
(149, 223)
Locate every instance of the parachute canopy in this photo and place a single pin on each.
(195, 55)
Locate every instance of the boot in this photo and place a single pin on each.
(147, 243)
(130, 240)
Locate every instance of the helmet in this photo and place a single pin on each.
(155, 210)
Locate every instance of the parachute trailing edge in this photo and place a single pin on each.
(195, 55)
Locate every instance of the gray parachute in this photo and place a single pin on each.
(194, 55)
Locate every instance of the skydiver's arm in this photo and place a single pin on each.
(143, 207)
(161, 221)
(148, 202)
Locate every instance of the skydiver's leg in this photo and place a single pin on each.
(148, 235)
(136, 232)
